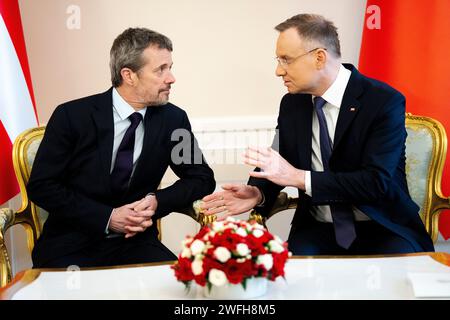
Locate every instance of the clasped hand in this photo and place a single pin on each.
(134, 217)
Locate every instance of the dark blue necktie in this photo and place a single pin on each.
(120, 176)
(342, 215)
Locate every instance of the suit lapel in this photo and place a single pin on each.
(104, 122)
(350, 105)
(304, 133)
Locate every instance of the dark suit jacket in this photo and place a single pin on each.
(71, 173)
(367, 165)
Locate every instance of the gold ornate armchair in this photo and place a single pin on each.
(31, 216)
(426, 148)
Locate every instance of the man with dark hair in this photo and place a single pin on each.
(102, 158)
(341, 142)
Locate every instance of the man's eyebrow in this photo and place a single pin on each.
(164, 65)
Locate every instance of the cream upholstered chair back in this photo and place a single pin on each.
(426, 148)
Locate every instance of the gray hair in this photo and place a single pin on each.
(314, 28)
(127, 48)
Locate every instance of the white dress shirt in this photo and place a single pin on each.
(333, 96)
(121, 111)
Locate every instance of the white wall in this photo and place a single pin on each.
(223, 50)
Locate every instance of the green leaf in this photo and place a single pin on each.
(187, 286)
(244, 284)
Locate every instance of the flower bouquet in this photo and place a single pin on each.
(231, 259)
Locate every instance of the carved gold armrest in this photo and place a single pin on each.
(258, 218)
(195, 212)
(6, 220)
(283, 202)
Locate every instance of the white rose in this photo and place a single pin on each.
(222, 254)
(218, 226)
(242, 249)
(258, 226)
(186, 253)
(217, 277)
(197, 267)
(242, 232)
(197, 247)
(275, 246)
(258, 233)
(266, 260)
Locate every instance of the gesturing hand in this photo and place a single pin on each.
(274, 167)
(234, 199)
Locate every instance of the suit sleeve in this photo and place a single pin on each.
(196, 179)
(47, 187)
(379, 160)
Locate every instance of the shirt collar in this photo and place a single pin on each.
(124, 110)
(335, 93)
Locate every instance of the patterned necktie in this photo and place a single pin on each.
(120, 176)
(343, 223)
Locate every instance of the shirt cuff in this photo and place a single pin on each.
(263, 199)
(308, 190)
(109, 220)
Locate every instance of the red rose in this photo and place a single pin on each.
(200, 279)
(233, 271)
(183, 270)
(209, 262)
(227, 239)
(203, 231)
(248, 269)
(279, 261)
(255, 245)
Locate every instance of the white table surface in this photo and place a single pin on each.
(314, 278)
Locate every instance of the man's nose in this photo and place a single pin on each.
(170, 78)
(279, 71)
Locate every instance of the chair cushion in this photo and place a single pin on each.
(32, 149)
(419, 148)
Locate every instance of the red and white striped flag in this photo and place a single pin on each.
(17, 107)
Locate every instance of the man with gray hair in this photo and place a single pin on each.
(102, 158)
(341, 142)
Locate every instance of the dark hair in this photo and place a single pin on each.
(127, 48)
(315, 28)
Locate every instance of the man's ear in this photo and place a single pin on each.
(128, 76)
(321, 58)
